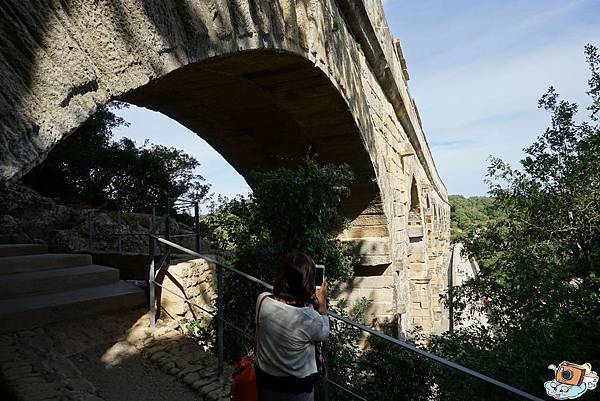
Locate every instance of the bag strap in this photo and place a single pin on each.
(258, 321)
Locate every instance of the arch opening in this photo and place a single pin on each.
(415, 203)
(262, 110)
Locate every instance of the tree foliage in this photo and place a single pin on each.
(541, 278)
(474, 212)
(372, 367)
(299, 209)
(91, 169)
(289, 209)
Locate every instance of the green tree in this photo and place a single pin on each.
(541, 278)
(469, 213)
(299, 209)
(372, 367)
(90, 168)
(289, 209)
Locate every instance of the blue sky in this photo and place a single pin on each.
(477, 69)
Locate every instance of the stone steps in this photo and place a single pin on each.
(22, 249)
(56, 280)
(37, 288)
(30, 263)
(38, 310)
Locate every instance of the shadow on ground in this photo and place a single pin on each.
(110, 357)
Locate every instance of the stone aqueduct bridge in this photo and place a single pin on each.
(262, 81)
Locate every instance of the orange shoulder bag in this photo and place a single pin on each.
(244, 387)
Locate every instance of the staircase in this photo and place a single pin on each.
(37, 287)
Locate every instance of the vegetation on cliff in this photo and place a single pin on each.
(471, 212)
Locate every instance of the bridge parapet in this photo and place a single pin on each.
(368, 22)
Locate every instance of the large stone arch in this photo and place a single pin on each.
(262, 109)
(226, 58)
(260, 80)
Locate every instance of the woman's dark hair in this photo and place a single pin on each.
(296, 278)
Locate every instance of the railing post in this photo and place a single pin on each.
(151, 286)
(119, 237)
(197, 225)
(220, 321)
(168, 225)
(91, 228)
(325, 383)
(167, 222)
(152, 220)
(451, 292)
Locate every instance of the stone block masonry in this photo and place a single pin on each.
(195, 281)
(262, 81)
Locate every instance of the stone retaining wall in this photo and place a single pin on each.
(195, 281)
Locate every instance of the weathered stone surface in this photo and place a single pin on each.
(191, 378)
(260, 83)
(205, 390)
(29, 217)
(190, 369)
(158, 356)
(193, 280)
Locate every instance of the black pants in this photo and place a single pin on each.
(285, 388)
(270, 395)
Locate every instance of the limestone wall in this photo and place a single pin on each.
(193, 280)
(28, 217)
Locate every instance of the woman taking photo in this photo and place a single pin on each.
(289, 323)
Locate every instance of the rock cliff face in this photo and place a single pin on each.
(28, 217)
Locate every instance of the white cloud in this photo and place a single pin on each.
(463, 94)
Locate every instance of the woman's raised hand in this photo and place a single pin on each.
(321, 295)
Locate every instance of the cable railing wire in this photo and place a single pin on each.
(362, 327)
(182, 235)
(213, 313)
(353, 394)
(117, 234)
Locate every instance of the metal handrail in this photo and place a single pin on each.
(183, 235)
(243, 333)
(222, 265)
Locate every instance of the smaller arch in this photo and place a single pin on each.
(415, 203)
